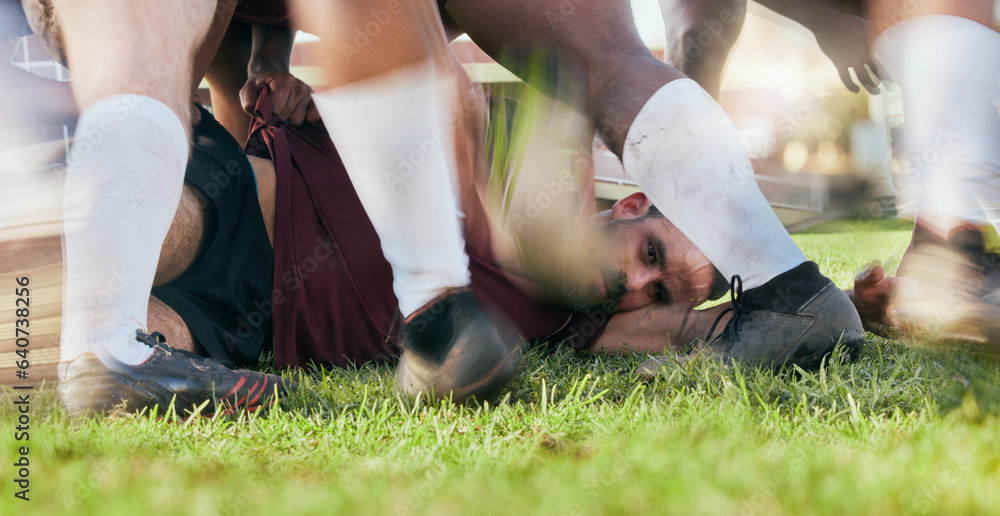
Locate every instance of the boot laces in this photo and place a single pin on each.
(731, 331)
(158, 340)
(149, 339)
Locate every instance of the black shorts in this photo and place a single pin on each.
(224, 297)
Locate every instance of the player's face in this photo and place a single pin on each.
(652, 261)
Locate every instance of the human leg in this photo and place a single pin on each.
(180, 248)
(670, 121)
(132, 77)
(392, 97)
(952, 136)
(388, 113)
(214, 302)
(221, 282)
(700, 35)
(131, 84)
(952, 131)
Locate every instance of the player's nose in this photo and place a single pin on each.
(639, 279)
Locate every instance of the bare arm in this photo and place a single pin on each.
(272, 48)
(842, 37)
(656, 328)
(270, 64)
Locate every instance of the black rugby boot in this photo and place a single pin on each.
(168, 377)
(797, 318)
(452, 348)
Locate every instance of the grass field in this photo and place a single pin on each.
(904, 431)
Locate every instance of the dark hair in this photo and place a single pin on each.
(653, 213)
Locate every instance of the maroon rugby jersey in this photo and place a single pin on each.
(333, 298)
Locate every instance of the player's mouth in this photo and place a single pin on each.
(613, 287)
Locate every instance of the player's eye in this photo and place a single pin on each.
(651, 252)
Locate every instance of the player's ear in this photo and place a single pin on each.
(631, 206)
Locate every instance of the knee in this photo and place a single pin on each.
(695, 38)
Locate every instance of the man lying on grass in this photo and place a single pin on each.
(281, 247)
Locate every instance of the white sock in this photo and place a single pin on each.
(123, 185)
(391, 133)
(949, 70)
(686, 155)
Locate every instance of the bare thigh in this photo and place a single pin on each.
(400, 32)
(183, 241)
